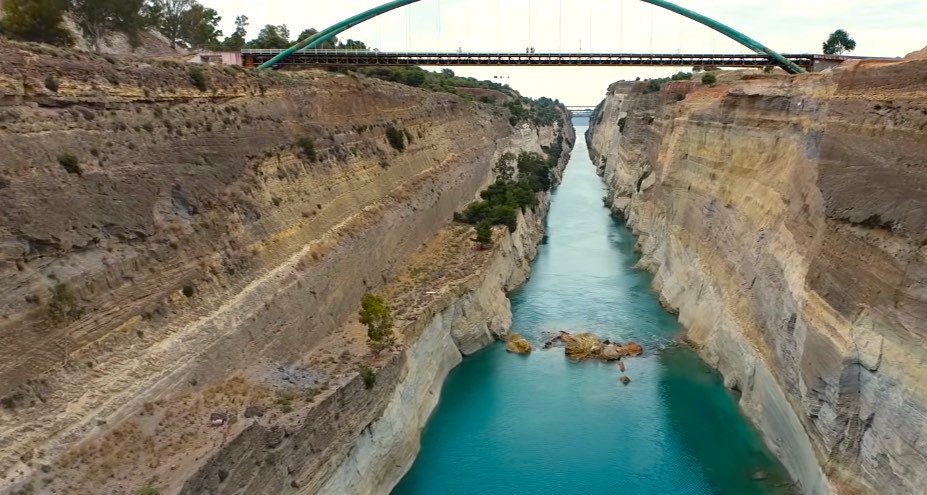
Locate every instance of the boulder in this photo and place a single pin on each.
(633, 349)
(624, 380)
(518, 344)
(611, 352)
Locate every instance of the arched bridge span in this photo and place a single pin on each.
(321, 37)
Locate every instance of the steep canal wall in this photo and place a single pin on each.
(784, 219)
(177, 263)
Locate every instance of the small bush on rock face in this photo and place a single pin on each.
(308, 146)
(69, 163)
(368, 375)
(198, 78)
(51, 82)
(63, 304)
(396, 138)
(188, 290)
(709, 79)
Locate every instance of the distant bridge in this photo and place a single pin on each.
(334, 58)
(581, 110)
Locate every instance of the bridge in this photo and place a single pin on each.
(581, 110)
(335, 58)
(319, 39)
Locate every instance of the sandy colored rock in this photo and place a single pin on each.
(611, 352)
(517, 344)
(581, 346)
(633, 349)
(784, 219)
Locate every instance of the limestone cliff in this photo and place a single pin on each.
(784, 219)
(179, 254)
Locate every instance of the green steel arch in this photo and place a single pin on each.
(321, 37)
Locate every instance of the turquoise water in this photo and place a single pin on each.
(540, 424)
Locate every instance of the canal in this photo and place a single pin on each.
(540, 424)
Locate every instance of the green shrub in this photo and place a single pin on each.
(308, 146)
(502, 200)
(378, 316)
(654, 86)
(396, 138)
(51, 82)
(368, 375)
(709, 79)
(198, 78)
(188, 291)
(70, 164)
(149, 491)
(484, 233)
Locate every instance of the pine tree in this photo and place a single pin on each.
(36, 20)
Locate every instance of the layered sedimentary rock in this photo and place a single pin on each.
(784, 219)
(179, 254)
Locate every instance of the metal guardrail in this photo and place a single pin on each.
(308, 57)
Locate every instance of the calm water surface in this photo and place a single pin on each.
(540, 424)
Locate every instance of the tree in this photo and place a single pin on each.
(199, 26)
(709, 78)
(36, 20)
(328, 45)
(352, 45)
(237, 40)
(484, 233)
(838, 43)
(272, 37)
(378, 317)
(97, 18)
(170, 16)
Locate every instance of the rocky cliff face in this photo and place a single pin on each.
(176, 261)
(784, 218)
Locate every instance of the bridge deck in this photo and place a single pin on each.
(362, 57)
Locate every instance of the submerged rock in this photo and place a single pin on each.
(634, 349)
(518, 344)
(624, 380)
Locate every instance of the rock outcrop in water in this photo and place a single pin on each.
(517, 344)
(586, 345)
(784, 219)
(172, 259)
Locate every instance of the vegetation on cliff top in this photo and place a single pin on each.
(510, 192)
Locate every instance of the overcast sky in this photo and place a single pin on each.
(883, 28)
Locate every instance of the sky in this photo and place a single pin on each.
(880, 28)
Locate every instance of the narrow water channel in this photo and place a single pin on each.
(540, 424)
